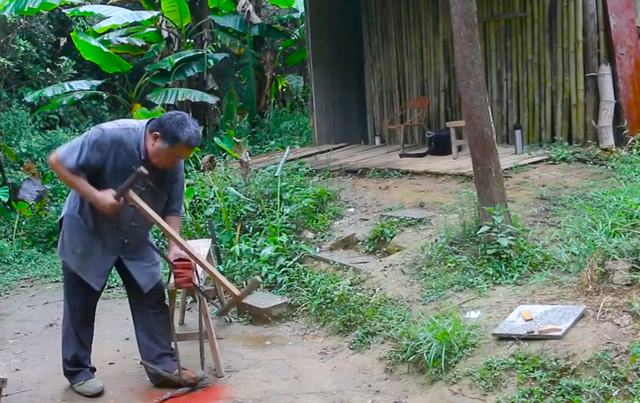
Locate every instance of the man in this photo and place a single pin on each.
(98, 232)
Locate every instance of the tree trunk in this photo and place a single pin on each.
(591, 65)
(475, 109)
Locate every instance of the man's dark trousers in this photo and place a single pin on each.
(151, 321)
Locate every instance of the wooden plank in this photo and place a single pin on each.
(326, 159)
(296, 154)
(272, 158)
(372, 153)
(626, 47)
(171, 234)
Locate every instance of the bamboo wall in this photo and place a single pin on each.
(534, 65)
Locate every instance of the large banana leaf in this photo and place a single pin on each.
(31, 7)
(72, 98)
(161, 96)
(130, 17)
(129, 46)
(94, 51)
(237, 24)
(187, 69)
(62, 88)
(177, 11)
(169, 62)
(149, 35)
(95, 9)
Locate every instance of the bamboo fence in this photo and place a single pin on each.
(533, 58)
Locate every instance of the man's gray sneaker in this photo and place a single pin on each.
(89, 388)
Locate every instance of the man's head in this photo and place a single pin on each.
(171, 138)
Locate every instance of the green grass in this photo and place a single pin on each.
(20, 265)
(468, 255)
(433, 345)
(383, 232)
(535, 378)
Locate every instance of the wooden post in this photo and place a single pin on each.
(481, 137)
(626, 48)
(591, 64)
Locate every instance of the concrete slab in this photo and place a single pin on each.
(264, 306)
(562, 316)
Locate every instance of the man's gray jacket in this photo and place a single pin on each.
(90, 241)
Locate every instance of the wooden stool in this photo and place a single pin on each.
(203, 247)
(455, 142)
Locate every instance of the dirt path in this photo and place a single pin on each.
(287, 363)
(277, 364)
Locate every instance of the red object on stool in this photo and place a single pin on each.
(183, 273)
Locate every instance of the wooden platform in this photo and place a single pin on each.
(353, 158)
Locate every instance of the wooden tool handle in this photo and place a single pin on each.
(175, 237)
(131, 180)
(237, 299)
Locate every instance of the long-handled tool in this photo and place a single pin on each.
(236, 295)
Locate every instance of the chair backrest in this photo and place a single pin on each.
(418, 103)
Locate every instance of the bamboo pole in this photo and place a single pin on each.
(529, 63)
(515, 69)
(570, 45)
(522, 70)
(591, 67)
(547, 49)
(580, 95)
(511, 109)
(607, 105)
(566, 80)
(443, 7)
(559, 76)
(536, 72)
(491, 66)
(377, 59)
(602, 34)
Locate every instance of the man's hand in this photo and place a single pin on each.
(105, 201)
(176, 253)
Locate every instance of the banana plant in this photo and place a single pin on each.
(11, 8)
(123, 32)
(171, 69)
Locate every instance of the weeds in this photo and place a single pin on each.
(382, 233)
(435, 344)
(470, 256)
(26, 264)
(538, 378)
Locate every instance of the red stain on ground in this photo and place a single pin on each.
(211, 394)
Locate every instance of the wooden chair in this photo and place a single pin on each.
(203, 247)
(418, 108)
(455, 142)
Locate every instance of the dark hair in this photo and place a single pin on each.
(177, 127)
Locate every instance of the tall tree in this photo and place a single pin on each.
(475, 109)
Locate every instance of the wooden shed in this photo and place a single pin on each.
(369, 57)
